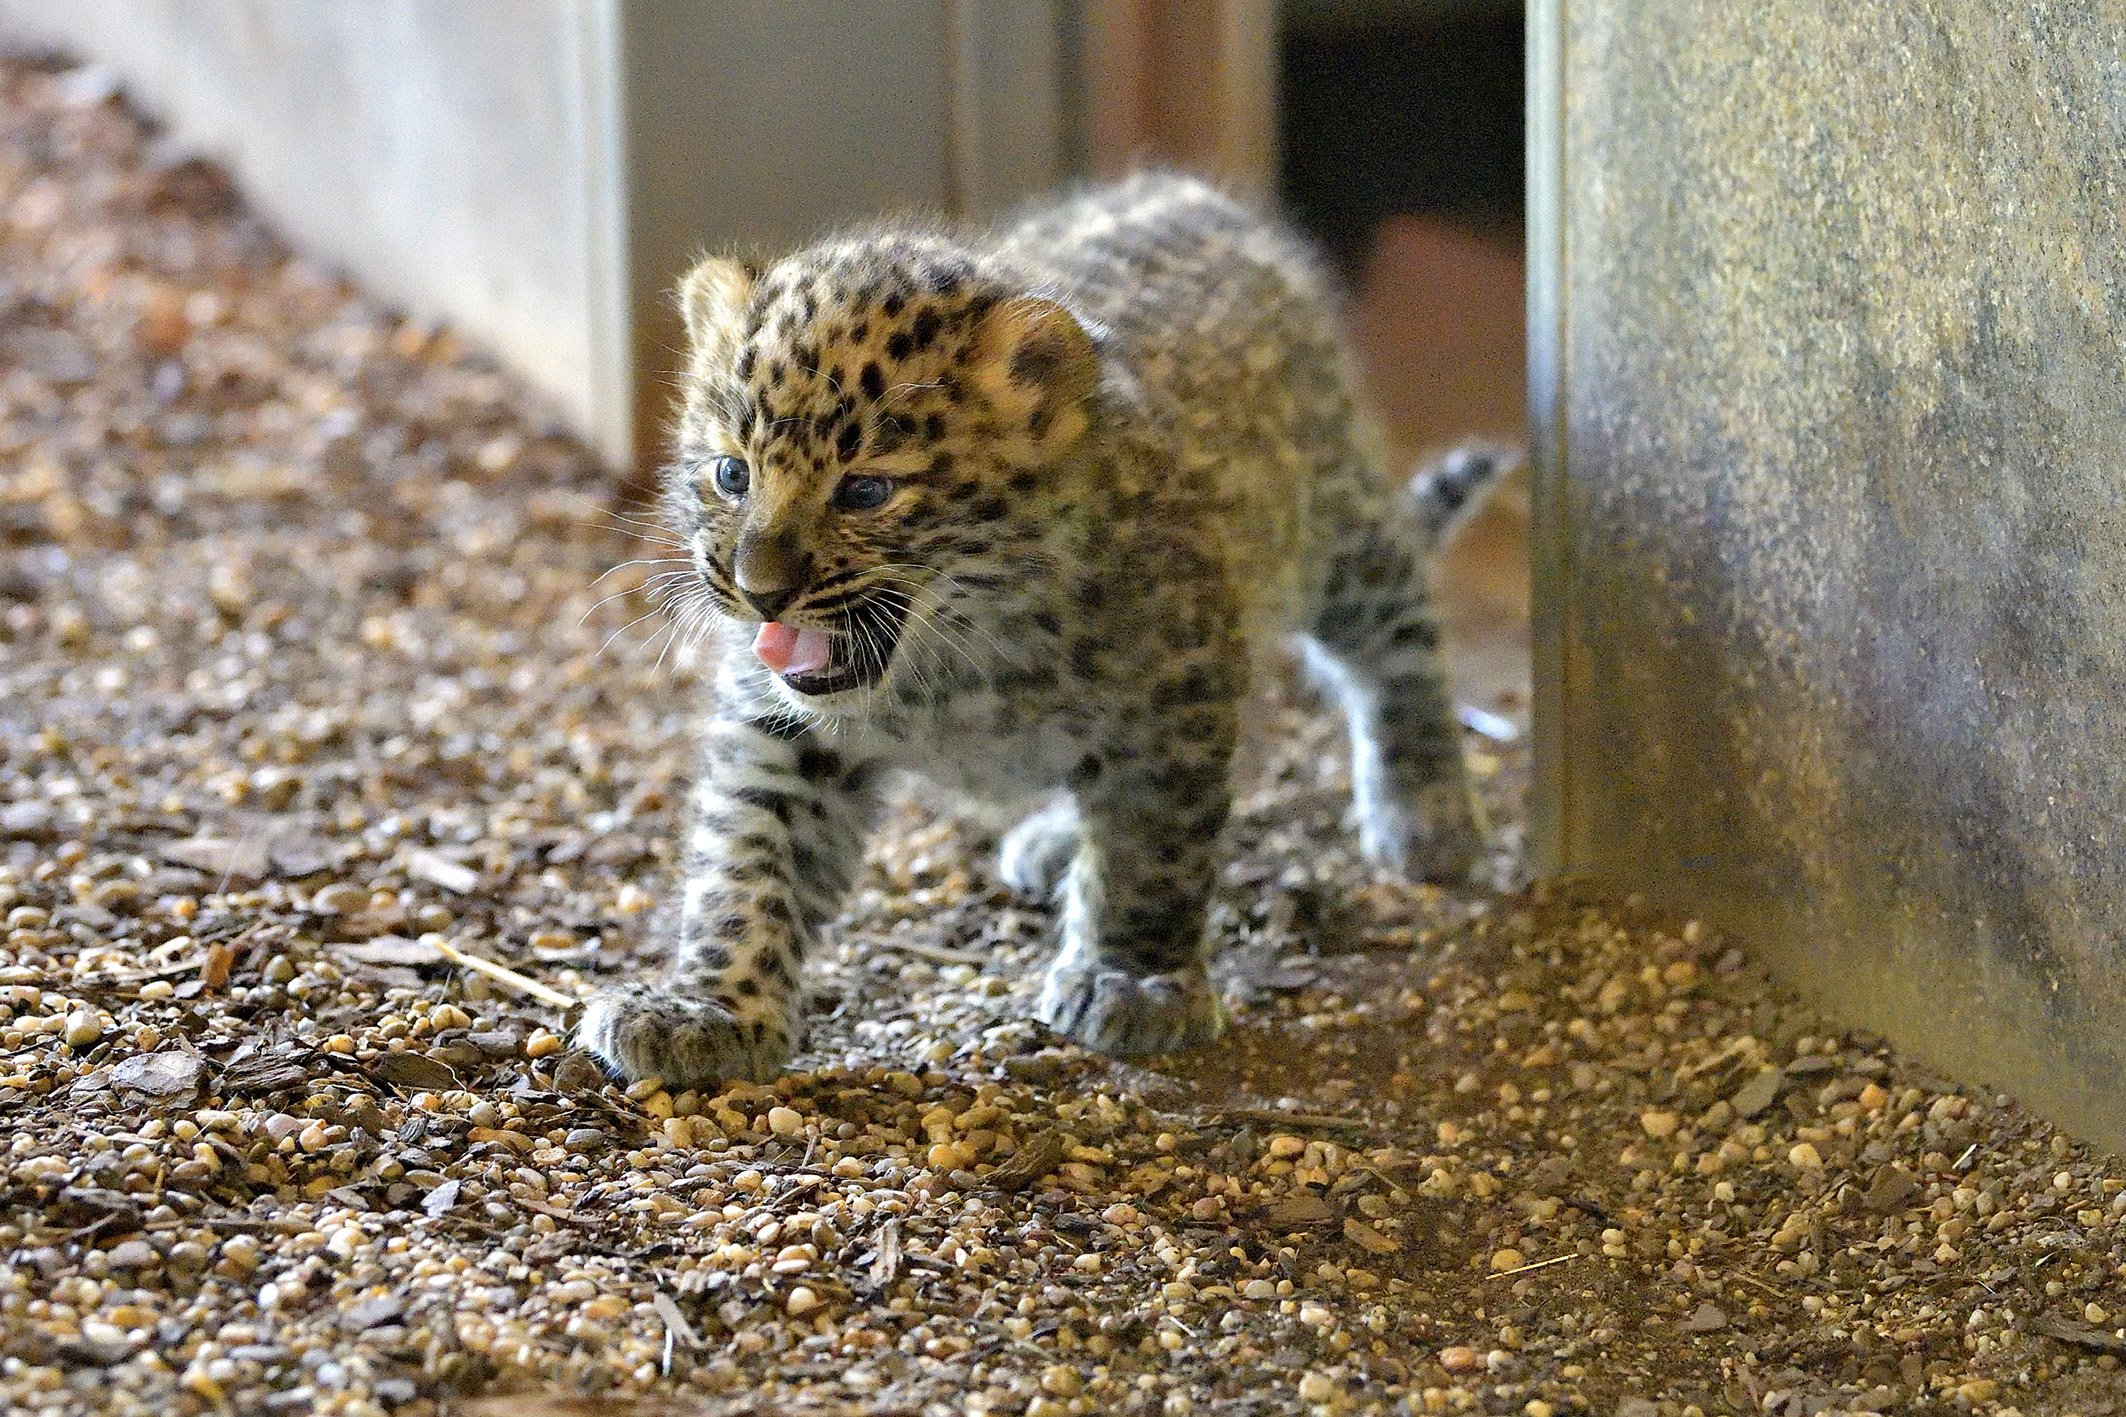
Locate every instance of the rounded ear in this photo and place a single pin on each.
(712, 300)
(1037, 366)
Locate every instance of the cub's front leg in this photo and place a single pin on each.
(776, 838)
(1129, 978)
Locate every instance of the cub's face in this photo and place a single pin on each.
(866, 431)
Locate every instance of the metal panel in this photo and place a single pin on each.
(1547, 531)
(1832, 341)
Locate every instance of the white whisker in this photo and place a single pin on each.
(646, 561)
(630, 590)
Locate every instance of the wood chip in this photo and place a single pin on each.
(443, 1198)
(502, 1136)
(416, 1071)
(674, 1321)
(258, 1076)
(166, 1077)
(233, 860)
(389, 950)
(1372, 1241)
(936, 954)
(1038, 1155)
(1299, 1211)
(439, 870)
(886, 1264)
(553, 1404)
(2079, 1335)
(214, 971)
(1291, 1121)
(1758, 1093)
(299, 858)
(1892, 1189)
(1706, 1318)
(373, 1312)
(95, 1203)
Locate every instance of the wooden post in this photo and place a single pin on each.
(1192, 82)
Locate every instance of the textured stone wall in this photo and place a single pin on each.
(1831, 363)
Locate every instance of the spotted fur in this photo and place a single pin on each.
(1121, 459)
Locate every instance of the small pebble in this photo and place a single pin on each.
(1319, 1388)
(83, 1030)
(339, 899)
(1706, 1318)
(132, 1254)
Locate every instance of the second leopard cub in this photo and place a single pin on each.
(1024, 511)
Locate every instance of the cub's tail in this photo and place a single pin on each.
(1447, 492)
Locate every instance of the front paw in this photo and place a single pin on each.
(1436, 837)
(639, 1032)
(1124, 1015)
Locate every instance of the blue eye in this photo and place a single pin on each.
(862, 494)
(730, 476)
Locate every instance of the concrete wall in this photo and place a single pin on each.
(1830, 372)
(537, 172)
(456, 157)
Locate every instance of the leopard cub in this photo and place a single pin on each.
(1025, 511)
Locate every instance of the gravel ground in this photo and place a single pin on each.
(296, 681)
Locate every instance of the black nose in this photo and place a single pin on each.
(771, 569)
(772, 603)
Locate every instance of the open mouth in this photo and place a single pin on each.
(817, 662)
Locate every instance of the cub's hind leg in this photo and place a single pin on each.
(1035, 855)
(1376, 646)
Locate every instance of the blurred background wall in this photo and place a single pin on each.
(537, 172)
(459, 160)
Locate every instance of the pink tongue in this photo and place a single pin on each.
(789, 650)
